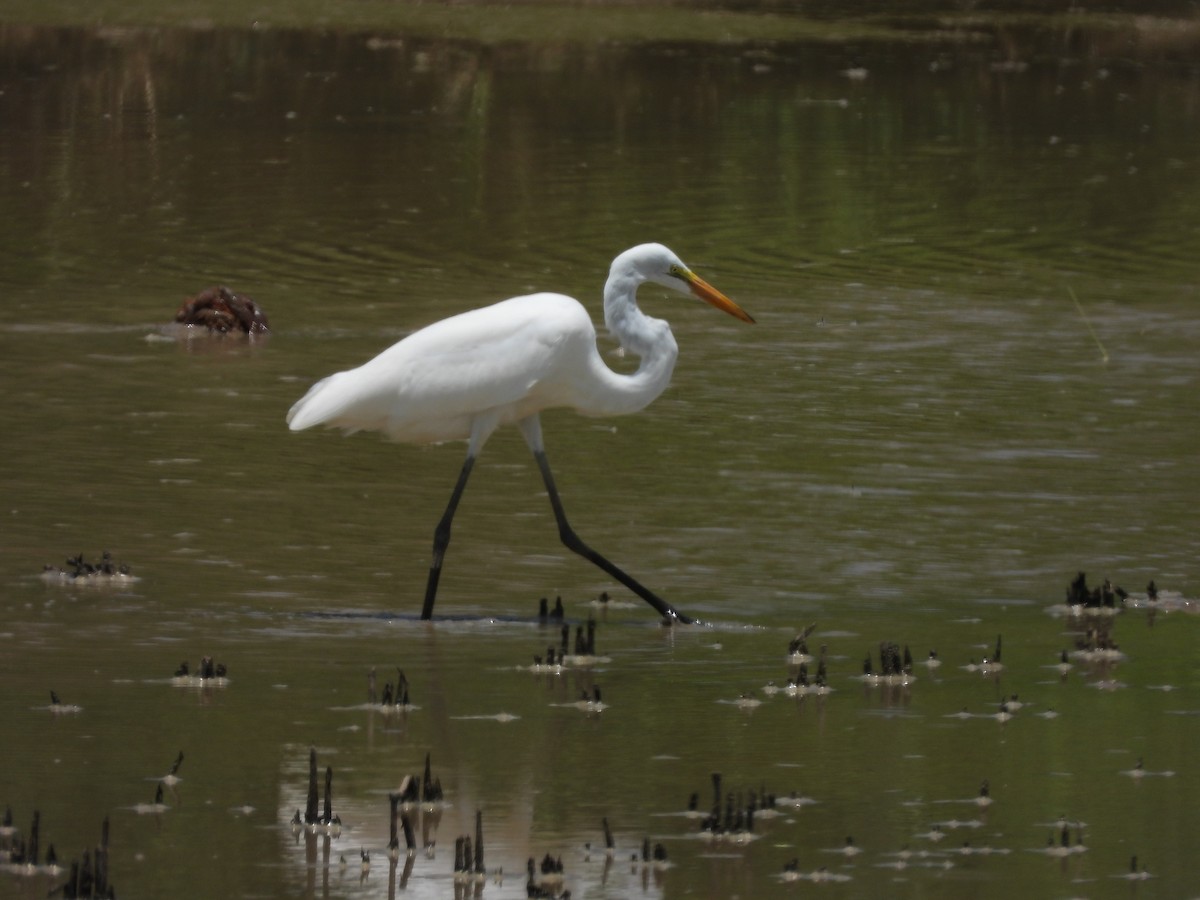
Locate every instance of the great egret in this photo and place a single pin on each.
(465, 376)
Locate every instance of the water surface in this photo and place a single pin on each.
(973, 375)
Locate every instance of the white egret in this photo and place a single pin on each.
(465, 376)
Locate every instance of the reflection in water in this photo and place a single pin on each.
(920, 444)
(318, 164)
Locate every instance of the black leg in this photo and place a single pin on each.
(573, 542)
(441, 538)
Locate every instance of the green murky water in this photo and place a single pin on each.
(922, 440)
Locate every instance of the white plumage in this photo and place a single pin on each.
(465, 376)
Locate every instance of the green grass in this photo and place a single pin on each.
(580, 22)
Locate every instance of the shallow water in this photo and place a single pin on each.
(922, 440)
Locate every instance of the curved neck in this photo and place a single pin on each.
(649, 338)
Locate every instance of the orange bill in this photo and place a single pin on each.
(711, 295)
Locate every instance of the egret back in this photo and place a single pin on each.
(506, 361)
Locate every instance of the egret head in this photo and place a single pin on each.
(656, 263)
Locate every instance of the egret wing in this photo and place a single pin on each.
(500, 359)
